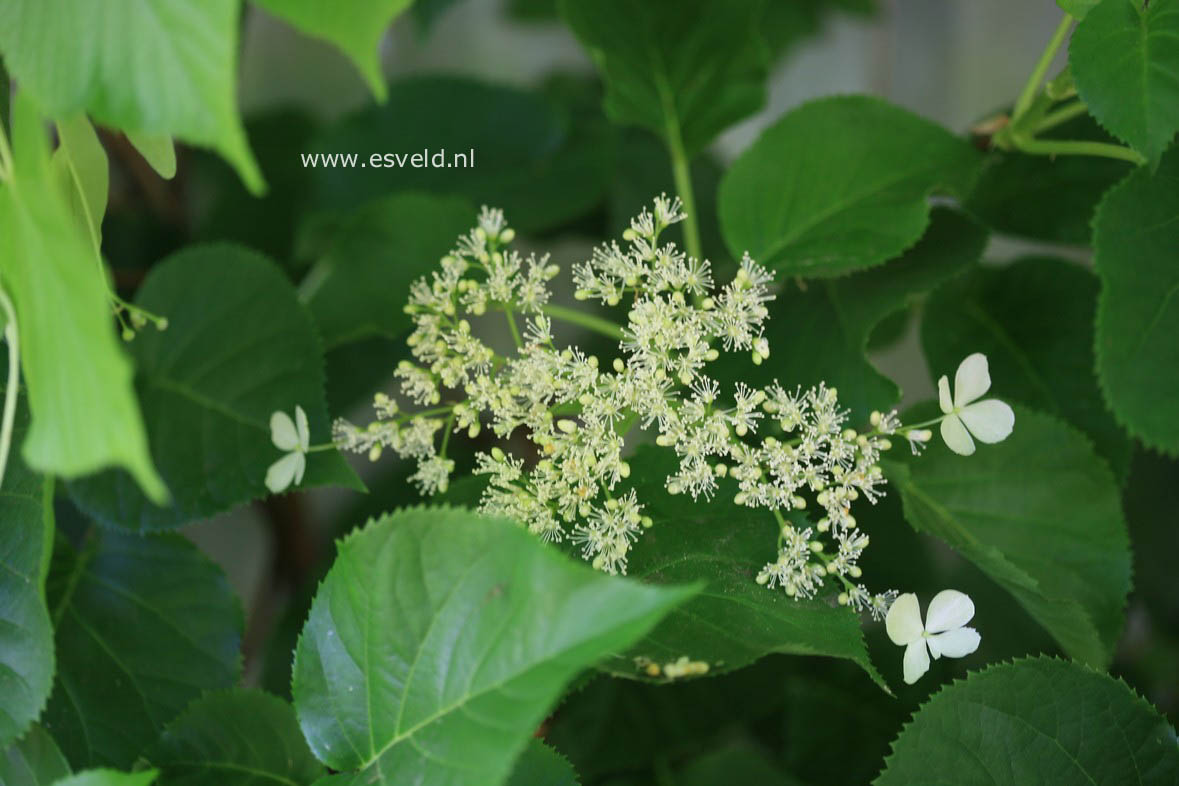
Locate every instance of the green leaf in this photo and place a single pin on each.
(85, 416)
(144, 626)
(820, 334)
(162, 69)
(1076, 8)
(1124, 57)
(1038, 720)
(528, 157)
(238, 347)
(734, 621)
(34, 760)
(356, 31)
(1135, 235)
(104, 777)
(540, 765)
(840, 184)
(157, 150)
(235, 738)
(1040, 356)
(667, 72)
(360, 283)
(1040, 514)
(1046, 197)
(26, 635)
(439, 639)
(83, 175)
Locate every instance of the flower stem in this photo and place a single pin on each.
(512, 326)
(681, 171)
(1041, 70)
(588, 321)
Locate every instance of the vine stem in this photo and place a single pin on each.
(1041, 70)
(588, 321)
(12, 336)
(681, 171)
(1062, 115)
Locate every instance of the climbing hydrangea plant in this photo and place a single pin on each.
(650, 509)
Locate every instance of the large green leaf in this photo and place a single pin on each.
(34, 760)
(840, 184)
(157, 68)
(1135, 237)
(144, 626)
(238, 347)
(1046, 197)
(439, 639)
(1041, 515)
(734, 621)
(685, 69)
(819, 334)
(362, 279)
(106, 777)
(540, 765)
(357, 30)
(1037, 720)
(1041, 356)
(1124, 57)
(529, 158)
(234, 738)
(85, 416)
(26, 635)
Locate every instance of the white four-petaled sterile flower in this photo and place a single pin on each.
(944, 631)
(295, 437)
(990, 420)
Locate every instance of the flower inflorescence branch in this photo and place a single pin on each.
(778, 448)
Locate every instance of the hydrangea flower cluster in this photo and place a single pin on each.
(780, 449)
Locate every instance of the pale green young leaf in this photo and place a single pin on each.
(85, 415)
(1037, 720)
(157, 150)
(733, 621)
(105, 777)
(1135, 237)
(26, 635)
(1042, 356)
(840, 184)
(83, 174)
(239, 346)
(356, 30)
(159, 69)
(439, 640)
(1124, 57)
(33, 760)
(234, 738)
(684, 69)
(1040, 514)
(144, 626)
(358, 288)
